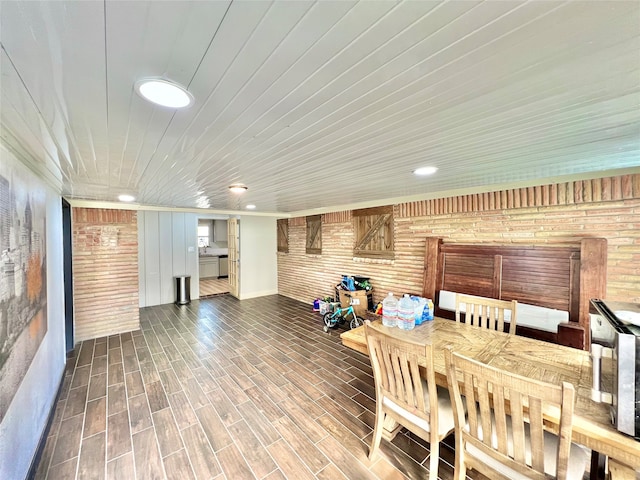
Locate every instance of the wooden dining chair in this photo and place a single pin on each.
(502, 434)
(405, 395)
(486, 312)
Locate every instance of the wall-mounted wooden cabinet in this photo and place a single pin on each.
(219, 231)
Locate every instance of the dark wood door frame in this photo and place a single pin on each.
(68, 274)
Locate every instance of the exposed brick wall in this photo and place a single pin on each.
(105, 272)
(546, 215)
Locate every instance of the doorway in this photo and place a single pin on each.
(213, 277)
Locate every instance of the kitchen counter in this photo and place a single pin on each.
(215, 252)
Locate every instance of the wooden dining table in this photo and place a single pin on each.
(536, 359)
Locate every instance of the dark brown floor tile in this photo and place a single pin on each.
(99, 350)
(115, 356)
(170, 381)
(96, 417)
(66, 385)
(232, 389)
(68, 441)
(383, 469)
(178, 467)
(267, 407)
(116, 374)
(130, 363)
(167, 432)
(224, 407)
(203, 461)
(57, 418)
(309, 389)
(289, 463)
(358, 448)
(232, 463)
(206, 381)
(149, 373)
(195, 394)
(118, 435)
(184, 414)
(213, 427)
(355, 425)
(97, 386)
(92, 458)
(45, 458)
(275, 475)
(143, 354)
(331, 472)
(99, 365)
(117, 398)
(343, 459)
(161, 361)
(302, 419)
(256, 455)
(147, 456)
(127, 347)
(139, 413)
(261, 426)
(157, 397)
(135, 386)
(63, 471)
(86, 354)
(114, 341)
(301, 445)
(76, 402)
(81, 376)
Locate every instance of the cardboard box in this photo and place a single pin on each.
(360, 299)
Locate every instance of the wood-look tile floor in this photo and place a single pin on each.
(224, 389)
(213, 286)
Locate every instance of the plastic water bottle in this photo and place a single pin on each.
(406, 313)
(390, 311)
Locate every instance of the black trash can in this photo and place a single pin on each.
(183, 289)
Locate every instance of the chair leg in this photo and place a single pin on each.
(377, 434)
(459, 468)
(434, 460)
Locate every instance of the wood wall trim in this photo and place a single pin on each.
(569, 193)
(337, 217)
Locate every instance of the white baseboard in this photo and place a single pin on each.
(264, 293)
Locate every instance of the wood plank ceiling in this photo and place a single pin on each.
(315, 105)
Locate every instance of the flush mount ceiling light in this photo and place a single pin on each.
(238, 188)
(251, 207)
(126, 198)
(422, 171)
(164, 92)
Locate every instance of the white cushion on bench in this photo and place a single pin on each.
(532, 316)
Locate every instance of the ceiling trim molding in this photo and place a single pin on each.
(75, 202)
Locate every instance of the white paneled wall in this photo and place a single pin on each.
(167, 248)
(258, 257)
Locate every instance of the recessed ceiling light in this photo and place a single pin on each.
(126, 198)
(251, 207)
(164, 92)
(238, 188)
(425, 171)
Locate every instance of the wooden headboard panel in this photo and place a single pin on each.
(563, 278)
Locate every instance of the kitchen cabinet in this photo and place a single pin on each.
(220, 231)
(209, 267)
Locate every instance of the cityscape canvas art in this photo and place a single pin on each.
(23, 293)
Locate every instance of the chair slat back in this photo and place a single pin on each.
(396, 372)
(486, 312)
(502, 410)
